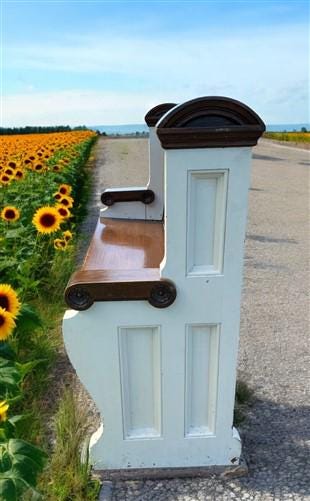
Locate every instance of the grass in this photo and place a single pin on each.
(295, 137)
(68, 477)
(244, 398)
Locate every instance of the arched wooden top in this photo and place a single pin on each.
(155, 114)
(208, 122)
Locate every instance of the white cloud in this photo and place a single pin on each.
(267, 69)
(75, 107)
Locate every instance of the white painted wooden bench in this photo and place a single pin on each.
(154, 325)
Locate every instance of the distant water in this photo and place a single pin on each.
(121, 129)
(133, 128)
(286, 127)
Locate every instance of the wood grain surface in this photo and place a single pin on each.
(125, 245)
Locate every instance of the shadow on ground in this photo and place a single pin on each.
(275, 447)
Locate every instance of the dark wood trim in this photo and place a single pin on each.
(153, 115)
(210, 122)
(112, 196)
(87, 286)
(207, 138)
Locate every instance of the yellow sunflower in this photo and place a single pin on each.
(39, 168)
(9, 172)
(9, 300)
(67, 235)
(47, 220)
(67, 201)
(60, 244)
(10, 214)
(65, 189)
(5, 179)
(7, 324)
(4, 406)
(63, 211)
(57, 195)
(19, 174)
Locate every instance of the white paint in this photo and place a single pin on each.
(139, 350)
(138, 210)
(202, 345)
(206, 221)
(184, 416)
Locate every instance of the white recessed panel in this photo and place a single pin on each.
(139, 349)
(206, 209)
(202, 348)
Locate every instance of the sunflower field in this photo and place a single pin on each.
(42, 200)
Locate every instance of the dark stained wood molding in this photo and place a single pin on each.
(88, 286)
(111, 196)
(153, 115)
(210, 122)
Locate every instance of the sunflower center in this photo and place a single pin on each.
(63, 212)
(9, 214)
(4, 302)
(65, 202)
(47, 220)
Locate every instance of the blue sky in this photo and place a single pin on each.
(108, 62)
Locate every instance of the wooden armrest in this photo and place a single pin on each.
(122, 264)
(111, 196)
(86, 287)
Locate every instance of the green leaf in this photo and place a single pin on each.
(28, 319)
(19, 417)
(20, 447)
(7, 430)
(10, 378)
(8, 490)
(5, 460)
(23, 462)
(26, 469)
(24, 369)
(14, 233)
(6, 351)
(7, 263)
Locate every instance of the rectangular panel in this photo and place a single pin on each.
(202, 347)
(206, 207)
(139, 349)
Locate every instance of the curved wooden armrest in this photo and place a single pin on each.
(111, 196)
(87, 286)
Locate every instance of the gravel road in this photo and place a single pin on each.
(274, 351)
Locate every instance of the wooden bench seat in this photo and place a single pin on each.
(119, 244)
(122, 263)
